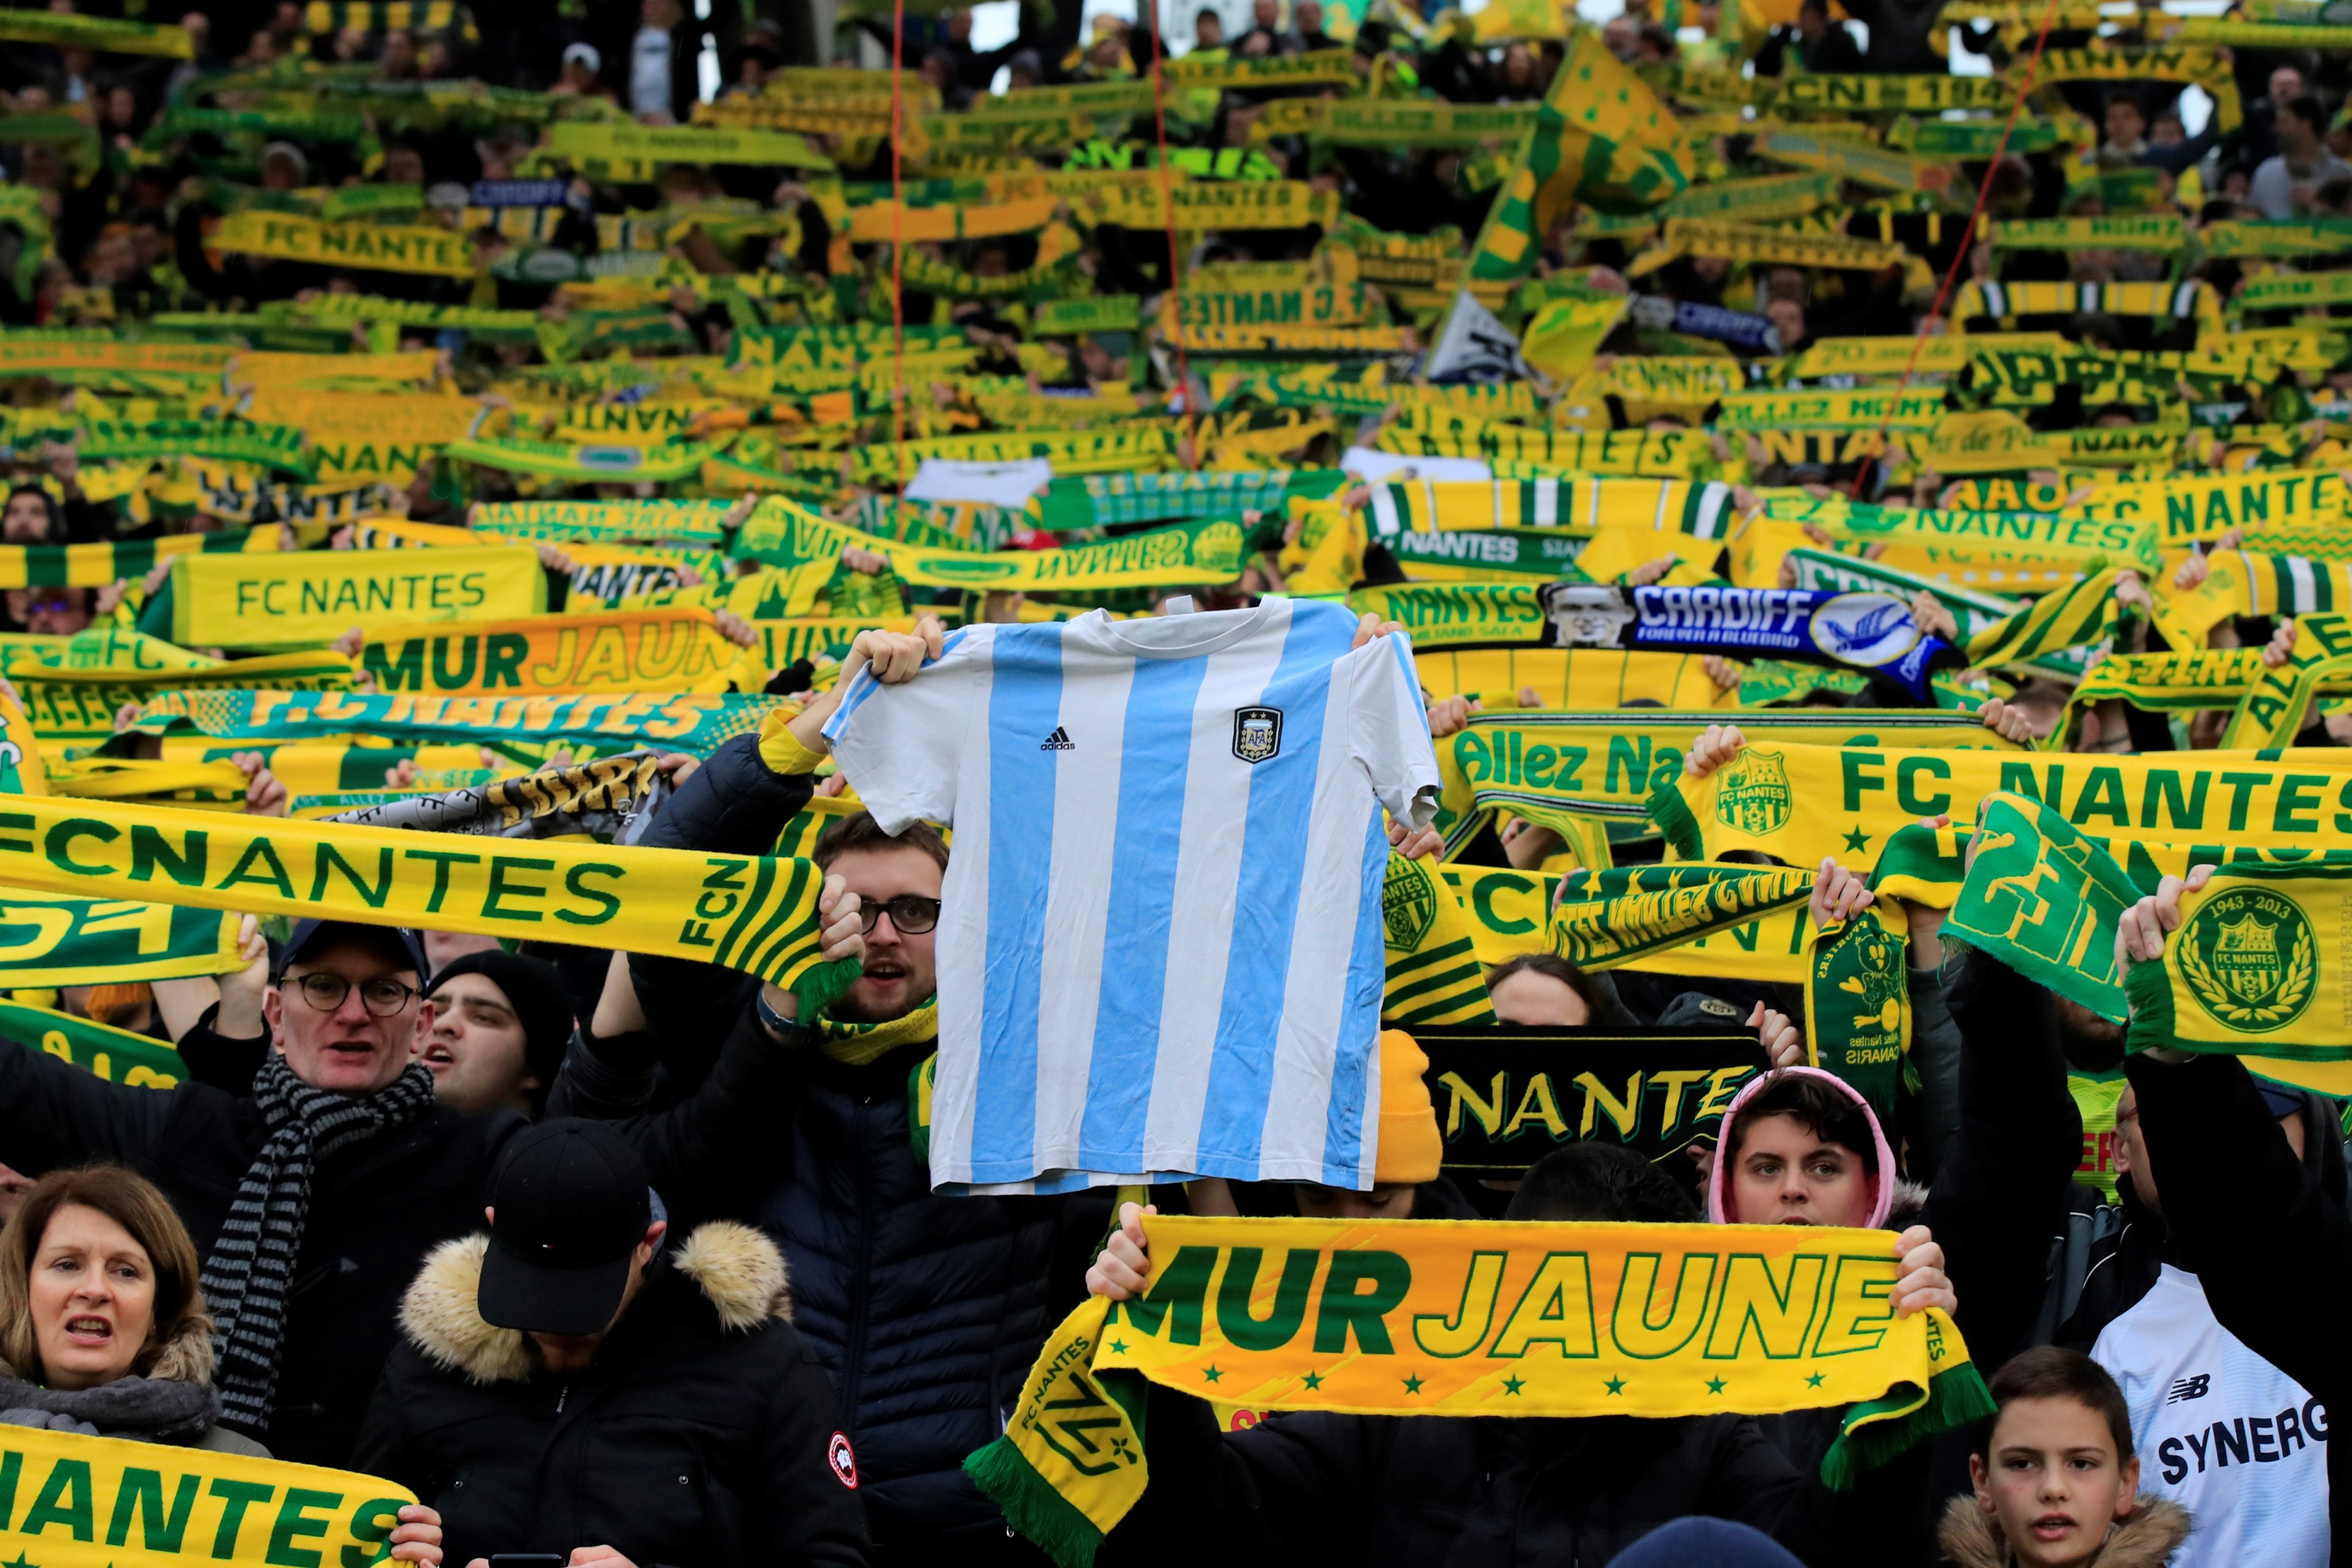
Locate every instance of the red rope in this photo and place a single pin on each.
(1167, 206)
(1969, 234)
(898, 240)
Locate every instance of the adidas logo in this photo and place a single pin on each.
(1058, 741)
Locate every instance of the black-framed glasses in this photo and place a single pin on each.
(383, 997)
(909, 911)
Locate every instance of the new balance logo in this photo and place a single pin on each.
(1058, 741)
(2189, 1388)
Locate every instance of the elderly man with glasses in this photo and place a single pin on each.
(314, 1194)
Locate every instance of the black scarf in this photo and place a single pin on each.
(247, 1277)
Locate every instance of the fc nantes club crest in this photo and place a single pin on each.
(1752, 794)
(2251, 959)
(1407, 903)
(1257, 733)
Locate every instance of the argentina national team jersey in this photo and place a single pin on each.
(1159, 950)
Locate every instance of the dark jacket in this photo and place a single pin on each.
(926, 1311)
(2266, 1234)
(703, 1433)
(2001, 1188)
(1432, 1492)
(376, 1210)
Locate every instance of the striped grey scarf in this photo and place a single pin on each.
(252, 1264)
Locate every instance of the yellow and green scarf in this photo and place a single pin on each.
(1474, 1318)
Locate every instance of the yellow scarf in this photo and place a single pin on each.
(757, 914)
(1474, 1318)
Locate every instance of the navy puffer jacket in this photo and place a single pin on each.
(926, 1311)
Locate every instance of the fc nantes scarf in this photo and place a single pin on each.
(1538, 765)
(670, 650)
(1434, 977)
(116, 1055)
(1855, 797)
(1474, 1318)
(753, 913)
(1605, 918)
(70, 1483)
(2253, 968)
(698, 724)
(46, 940)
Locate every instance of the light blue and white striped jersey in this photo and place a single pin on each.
(1159, 950)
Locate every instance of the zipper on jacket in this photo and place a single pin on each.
(563, 1394)
(861, 1287)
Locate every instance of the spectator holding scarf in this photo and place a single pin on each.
(314, 1194)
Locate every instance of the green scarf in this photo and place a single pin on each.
(854, 1044)
(1858, 1001)
(1605, 918)
(620, 720)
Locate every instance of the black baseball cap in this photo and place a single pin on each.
(396, 943)
(571, 1205)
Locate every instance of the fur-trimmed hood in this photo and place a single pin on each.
(739, 1271)
(2146, 1539)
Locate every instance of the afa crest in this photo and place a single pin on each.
(1257, 733)
(1752, 793)
(2251, 959)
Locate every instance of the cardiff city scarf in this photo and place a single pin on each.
(312, 597)
(1870, 631)
(670, 650)
(1434, 977)
(116, 1055)
(1505, 1098)
(752, 914)
(1974, 613)
(1463, 1317)
(695, 723)
(1855, 797)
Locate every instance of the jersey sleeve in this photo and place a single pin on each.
(902, 746)
(1388, 729)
